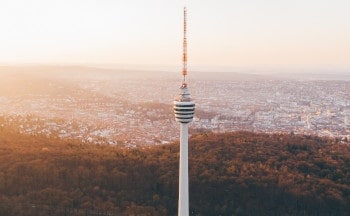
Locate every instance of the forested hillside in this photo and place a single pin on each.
(230, 174)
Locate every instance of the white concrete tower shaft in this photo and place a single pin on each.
(183, 208)
(184, 110)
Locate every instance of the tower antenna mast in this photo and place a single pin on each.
(184, 54)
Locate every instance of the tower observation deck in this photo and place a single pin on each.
(184, 106)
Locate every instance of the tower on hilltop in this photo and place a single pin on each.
(184, 111)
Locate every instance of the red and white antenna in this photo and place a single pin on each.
(184, 55)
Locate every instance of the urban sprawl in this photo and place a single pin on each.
(137, 111)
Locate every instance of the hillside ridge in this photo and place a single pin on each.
(238, 173)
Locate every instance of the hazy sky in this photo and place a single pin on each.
(221, 32)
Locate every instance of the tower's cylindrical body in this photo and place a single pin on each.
(183, 172)
(184, 110)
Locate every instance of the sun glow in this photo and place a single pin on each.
(228, 33)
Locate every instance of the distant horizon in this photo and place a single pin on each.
(246, 69)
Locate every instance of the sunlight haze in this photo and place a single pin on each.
(221, 33)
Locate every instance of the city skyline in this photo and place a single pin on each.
(225, 34)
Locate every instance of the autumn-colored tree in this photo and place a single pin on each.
(239, 173)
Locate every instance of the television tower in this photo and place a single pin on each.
(184, 111)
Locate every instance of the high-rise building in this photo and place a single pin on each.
(184, 111)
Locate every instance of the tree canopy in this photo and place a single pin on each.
(239, 173)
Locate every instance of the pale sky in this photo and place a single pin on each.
(139, 32)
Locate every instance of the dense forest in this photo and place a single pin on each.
(239, 173)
